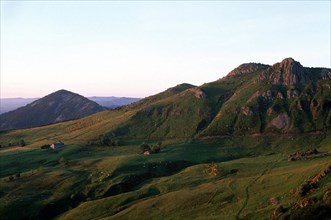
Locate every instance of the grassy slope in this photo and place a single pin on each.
(76, 131)
(119, 183)
(175, 113)
(179, 113)
(94, 182)
(87, 129)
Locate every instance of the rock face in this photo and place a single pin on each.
(283, 98)
(58, 106)
(247, 68)
(282, 121)
(288, 72)
(246, 111)
(291, 73)
(197, 93)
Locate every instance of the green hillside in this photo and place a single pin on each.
(255, 144)
(254, 99)
(207, 179)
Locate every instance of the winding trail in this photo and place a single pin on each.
(251, 184)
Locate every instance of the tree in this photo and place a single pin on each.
(105, 140)
(145, 147)
(22, 143)
(156, 149)
(45, 146)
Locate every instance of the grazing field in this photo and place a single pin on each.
(224, 178)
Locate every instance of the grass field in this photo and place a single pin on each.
(225, 178)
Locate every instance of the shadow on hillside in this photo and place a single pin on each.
(151, 170)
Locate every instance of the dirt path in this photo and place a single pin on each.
(251, 184)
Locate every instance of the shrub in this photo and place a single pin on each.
(105, 140)
(22, 143)
(155, 149)
(145, 147)
(108, 140)
(45, 146)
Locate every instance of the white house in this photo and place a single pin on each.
(57, 145)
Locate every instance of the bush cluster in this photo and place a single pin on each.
(20, 143)
(153, 149)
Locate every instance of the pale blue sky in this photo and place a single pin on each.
(137, 49)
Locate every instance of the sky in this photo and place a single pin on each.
(140, 48)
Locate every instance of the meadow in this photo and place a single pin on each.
(223, 178)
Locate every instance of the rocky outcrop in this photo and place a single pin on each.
(288, 72)
(291, 73)
(197, 93)
(247, 68)
(282, 121)
(247, 111)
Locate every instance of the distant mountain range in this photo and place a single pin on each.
(112, 101)
(58, 106)
(10, 104)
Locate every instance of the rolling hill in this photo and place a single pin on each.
(253, 99)
(10, 104)
(255, 144)
(58, 106)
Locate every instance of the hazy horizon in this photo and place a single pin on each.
(137, 49)
(70, 91)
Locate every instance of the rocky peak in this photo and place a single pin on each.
(291, 68)
(289, 62)
(247, 68)
(288, 72)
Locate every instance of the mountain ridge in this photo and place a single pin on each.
(58, 106)
(248, 104)
(251, 99)
(10, 104)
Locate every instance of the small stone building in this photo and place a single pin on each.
(57, 145)
(147, 152)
